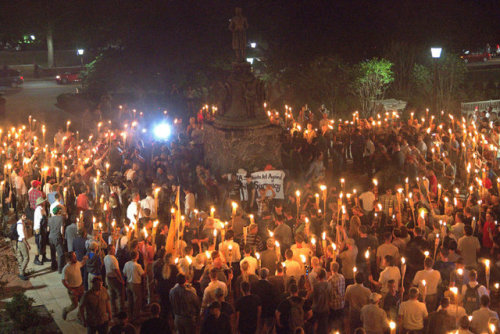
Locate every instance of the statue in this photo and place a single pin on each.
(241, 97)
(241, 134)
(238, 26)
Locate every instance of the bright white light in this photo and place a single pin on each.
(436, 52)
(32, 37)
(250, 60)
(162, 131)
(253, 45)
(80, 52)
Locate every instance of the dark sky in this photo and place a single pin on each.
(351, 28)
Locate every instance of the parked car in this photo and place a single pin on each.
(67, 78)
(11, 78)
(471, 57)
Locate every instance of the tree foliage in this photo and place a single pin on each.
(325, 80)
(373, 77)
(451, 72)
(404, 56)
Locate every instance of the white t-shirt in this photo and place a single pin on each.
(252, 263)
(20, 230)
(387, 249)
(37, 219)
(293, 269)
(133, 212)
(209, 293)
(133, 271)
(111, 264)
(368, 198)
(413, 313)
(149, 203)
(235, 252)
(386, 275)
(129, 174)
(72, 275)
(189, 203)
(297, 252)
(432, 279)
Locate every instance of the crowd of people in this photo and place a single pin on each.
(388, 224)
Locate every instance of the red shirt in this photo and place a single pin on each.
(82, 202)
(33, 195)
(487, 228)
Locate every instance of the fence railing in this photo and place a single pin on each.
(469, 107)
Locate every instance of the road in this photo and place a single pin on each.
(36, 98)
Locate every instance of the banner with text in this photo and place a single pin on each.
(270, 178)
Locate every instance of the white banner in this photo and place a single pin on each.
(273, 178)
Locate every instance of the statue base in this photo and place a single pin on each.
(244, 95)
(228, 149)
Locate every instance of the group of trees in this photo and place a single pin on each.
(344, 87)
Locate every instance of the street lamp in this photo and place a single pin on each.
(436, 54)
(80, 52)
(250, 60)
(253, 45)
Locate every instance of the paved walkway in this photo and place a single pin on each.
(47, 289)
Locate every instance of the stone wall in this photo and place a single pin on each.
(227, 150)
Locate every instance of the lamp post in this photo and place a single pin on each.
(436, 54)
(80, 52)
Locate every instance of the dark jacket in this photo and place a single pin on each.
(440, 323)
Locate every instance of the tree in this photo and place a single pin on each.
(322, 81)
(373, 77)
(451, 75)
(403, 55)
(421, 85)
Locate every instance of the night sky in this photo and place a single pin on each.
(353, 29)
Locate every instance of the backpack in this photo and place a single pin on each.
(121, 254)
(296, 318)
(13, 235)
(471, 299)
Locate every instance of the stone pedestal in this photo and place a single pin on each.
(228, 149)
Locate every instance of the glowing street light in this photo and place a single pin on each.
(80, 52)
(253, 45)
(436, 52)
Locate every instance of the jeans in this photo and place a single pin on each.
(38, 242)
(58, 260)
(116, 294)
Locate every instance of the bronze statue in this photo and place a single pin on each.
(238, 26)
(241, 97)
